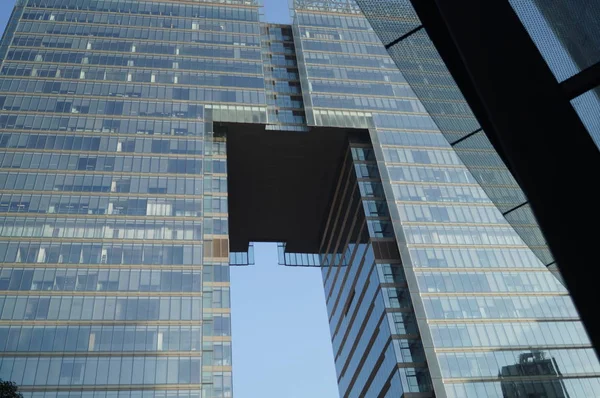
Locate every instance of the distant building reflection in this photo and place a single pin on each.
(533, 364)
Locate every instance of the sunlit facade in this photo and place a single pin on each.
(114, 193)
(115, 234)
(475, 285)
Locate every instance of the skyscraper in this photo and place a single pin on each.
(529, 71)
(146, 144)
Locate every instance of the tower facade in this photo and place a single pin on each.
(115, 258)
(145, 144)
(463, 270)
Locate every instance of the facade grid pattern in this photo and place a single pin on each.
(114, 224)
(458, 245)
(114, 242)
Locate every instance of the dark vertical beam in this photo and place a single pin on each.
(529, 119)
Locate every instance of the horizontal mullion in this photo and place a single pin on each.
(110, 216)
(113, 117)
(97, 353)
(449, 166)
(79, 322)
(116, 194)
(101, 153)
(100, 134)
(97, 293)
(161, 267)
(108, 172)
(100, 66)
(107, 52)
(382, 56)
(112, 387)
(135, 40)
(176, 2)
(141, 27)
(100, 241)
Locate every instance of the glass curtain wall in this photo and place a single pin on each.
(566, 34)
(475, 286)
(372, 322)
(282, 85)
(114, 232)
(400, 30)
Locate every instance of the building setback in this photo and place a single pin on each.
(146, 144)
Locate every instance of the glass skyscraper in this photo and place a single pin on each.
(557, 86)
(114, 247)
(126, 128)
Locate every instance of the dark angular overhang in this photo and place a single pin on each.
(281, 183)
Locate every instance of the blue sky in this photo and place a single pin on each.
(281, 342)
(6, 7)
(276, 11)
